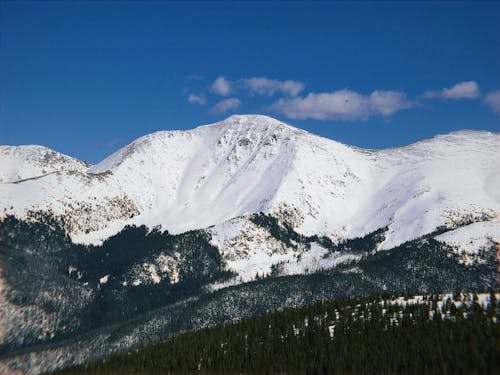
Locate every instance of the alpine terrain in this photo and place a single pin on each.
(181, 230)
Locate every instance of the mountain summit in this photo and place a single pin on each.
(180, 230)
(184, 180)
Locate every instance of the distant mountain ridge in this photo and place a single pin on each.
(184, 180)
(222, 217)
(216, 176)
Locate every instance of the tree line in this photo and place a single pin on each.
(368, 335)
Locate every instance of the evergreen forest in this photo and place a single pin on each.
(432, 334)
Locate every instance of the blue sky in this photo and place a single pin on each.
(86, 78)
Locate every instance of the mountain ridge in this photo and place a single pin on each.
(20, 149)
(246, 164)
(222, 217)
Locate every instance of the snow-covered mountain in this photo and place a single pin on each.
(215, 176)
(184, 180)
(243, 198)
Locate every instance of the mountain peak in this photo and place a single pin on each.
(245, 164)
(236, 130)
(29, 161)
(251, 121)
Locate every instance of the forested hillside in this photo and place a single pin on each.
(435, 334)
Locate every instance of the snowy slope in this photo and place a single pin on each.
(186, 180)
(23, 162)
(471, 239)
(215, 177)
(447, 180)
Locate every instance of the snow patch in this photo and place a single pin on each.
(471, 239)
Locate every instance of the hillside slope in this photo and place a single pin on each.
(185, 180)
(181, 230)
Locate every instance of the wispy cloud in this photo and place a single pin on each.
(196, 99)
(462, 90)
(221, 86)
(256, 86)
(266, 86)
(493, 101)
(342, 105)
(334, 105)
(226, 105)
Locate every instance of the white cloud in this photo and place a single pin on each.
(266, 86)
(462, 90)
(388, 102)
(226, 105)
(256, 86)
(342, 105)
(221, 86)
(197, 99)
(493, 101)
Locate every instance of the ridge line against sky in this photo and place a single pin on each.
(289, 124)
(86, 78)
